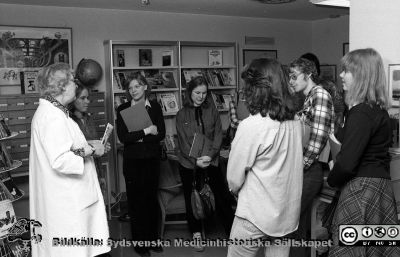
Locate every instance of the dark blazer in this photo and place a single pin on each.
(136, 144)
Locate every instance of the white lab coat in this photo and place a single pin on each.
(64, 191)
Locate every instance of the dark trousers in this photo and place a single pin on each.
(141, 178)
(313, 179)
(221, 194)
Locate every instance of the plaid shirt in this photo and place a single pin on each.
(318, 113)
(233, 115)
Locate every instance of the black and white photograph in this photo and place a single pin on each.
(241, 128)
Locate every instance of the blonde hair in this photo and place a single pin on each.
(53, 79)
(369, 79)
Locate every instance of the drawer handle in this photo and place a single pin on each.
(20, 104)
(21, 118)
(101, 113)
(3, 105)
(25, 159)
(100, 100)
(36, 103)
(102, 126)
(22, 131)
(23, 146)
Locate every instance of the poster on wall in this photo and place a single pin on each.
(394, 84)
(34, 47)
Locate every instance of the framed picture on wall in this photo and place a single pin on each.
(394, 84)
(328, 72)
(251, 54)
(345, 48)
(34, 47)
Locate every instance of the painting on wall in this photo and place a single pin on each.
(34, 47)
(328, 72)
(394, 84)
(251, 54)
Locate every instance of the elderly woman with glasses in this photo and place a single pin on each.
(65, 195)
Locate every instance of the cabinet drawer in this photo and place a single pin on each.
(15, 104)
(97, 99)
(17, 117)
(20, 172)
(21, 156)
(31, 103)
(22, 129)
(97, 112)
(20, 145)
(3, 105)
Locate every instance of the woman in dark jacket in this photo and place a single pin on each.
(141, 165)
(200, 116)
(362, 168)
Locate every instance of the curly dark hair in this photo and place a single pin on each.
(266, 90)
(307, 67)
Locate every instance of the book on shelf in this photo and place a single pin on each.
(5, 158)
(214, 57)
(29, 85)
(213, 77)
(221, 102)
(191, 74)
(167, 58)
(136, 117)
(119, 99)
(120, 58)
(9, 188)
(145, 57)
(7, 218)
(117, 83)
(159, 79)
(4, 130)
(168, 102)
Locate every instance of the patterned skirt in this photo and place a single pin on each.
(364, 201)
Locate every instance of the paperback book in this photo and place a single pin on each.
(167, 57)
(168, 102)
(145, 57)
(29, 82)
(121, 58)
(221, 101)
(214, 57)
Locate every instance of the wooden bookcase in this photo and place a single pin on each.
(149, 58)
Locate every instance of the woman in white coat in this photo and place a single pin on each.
(65, 195)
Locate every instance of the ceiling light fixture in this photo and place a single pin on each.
(275, 1)
(337, 3)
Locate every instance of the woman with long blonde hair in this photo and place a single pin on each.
(362, 168)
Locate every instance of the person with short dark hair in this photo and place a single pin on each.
(141, 164)
(362, 167)
(318, 115)
(199, 115)
(265, 167)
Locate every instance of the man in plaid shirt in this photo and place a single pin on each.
(317, 114)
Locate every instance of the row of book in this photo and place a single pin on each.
(221, 101)
(213, 77)
(146, 57)
(4, 130)
(157, 79)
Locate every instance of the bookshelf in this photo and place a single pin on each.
(161, 62)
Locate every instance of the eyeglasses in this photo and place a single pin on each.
(294, 76)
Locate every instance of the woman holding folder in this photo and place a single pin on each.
(141, 163)
(200, 116)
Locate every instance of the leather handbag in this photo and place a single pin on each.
(202, 201)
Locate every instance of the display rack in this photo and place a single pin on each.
(7, 214)
(161, 62)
